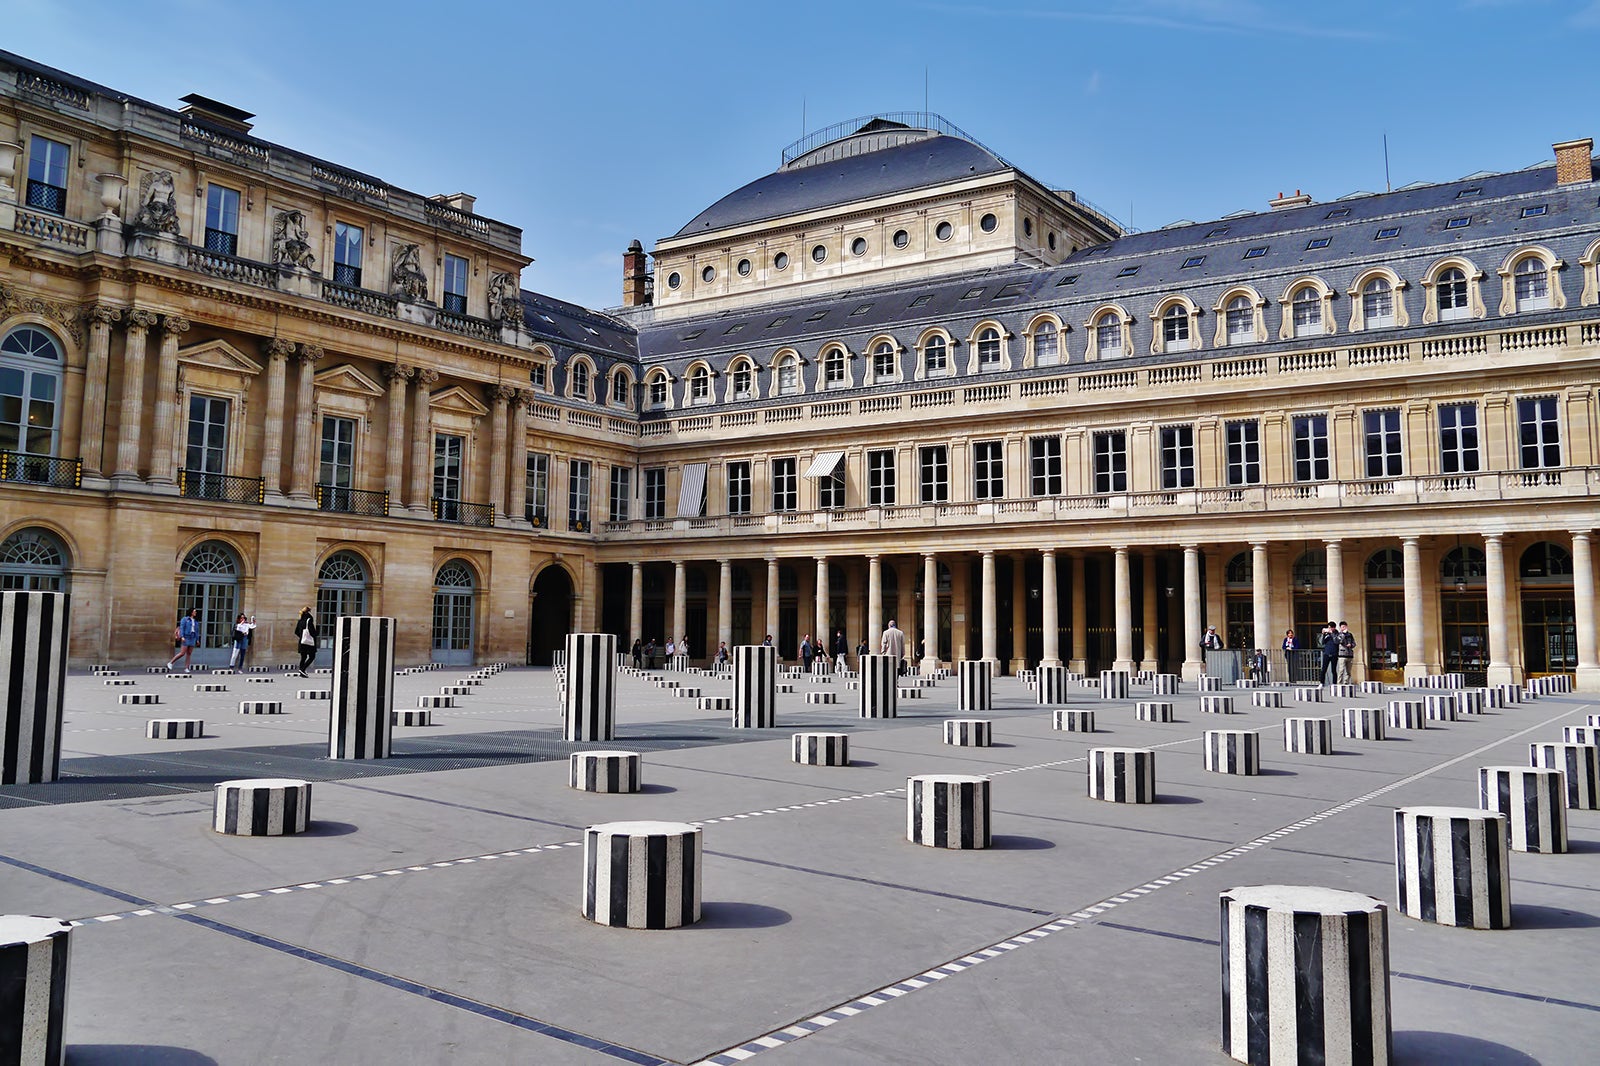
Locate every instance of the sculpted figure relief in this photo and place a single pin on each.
(291, 241)
(407, 281)
(505, 301)
(158, 203)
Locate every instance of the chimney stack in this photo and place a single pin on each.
(1282, 202)
(1574, 161)
(461, 201)
(637, 287)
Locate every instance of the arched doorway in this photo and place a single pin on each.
(1309, 577)
(341, 592)
(211, 582)
(454, 610)
(943, 583)
(1549, 619)
(550, 615)
(33, 560)
(1464, 613)
(1386, 616)
(1239, 600)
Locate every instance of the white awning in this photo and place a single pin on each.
(692, 491)
(824, 464)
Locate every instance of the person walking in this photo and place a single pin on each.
(242, 629)
(1330, 654)
(305, 632)
(186, 638)
(638, 652)
(840, 647)
(1347, 652)
(806, 652)
(893, 644)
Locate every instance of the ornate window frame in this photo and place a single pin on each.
(1258, 305)
(735, 365)
(835, 354)
(699, 384)
(1430, 289)
(1325, 295)
(928, 336)
(1188, 310)
(873, 348)
(780, 360)
(1397, 289)
(1002, 335)
(1553, 268)
(1031, 340)
(1091, 326)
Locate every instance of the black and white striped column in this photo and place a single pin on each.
(1071, 720)
(1154, 711)
(1216, 704)
(589, 704)
(1165, 685)
(33, 677)
(604, 771)
(174, 728)
(948, 811)
(968, 732)
(977, 686)
(1407, 714)
(1534, 801)
(1308, 736)
(879, 695)
(1051, 688)
(1122, 775)
(1581, 762)
(1452, 866)
(1267, 697)
(1441, 708)
(359, 722)
(1113, 684)
(262, 807)
(34, 953)
(1210, 683)
(821, 749)
(411, 717)
(1313, 693)
(1233, 751)
(1470, 700)
(641, 875)
(1363, 723)
(755, 687)
(1305, 976)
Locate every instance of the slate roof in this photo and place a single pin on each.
(570, 325)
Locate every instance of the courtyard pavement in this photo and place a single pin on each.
(431, 914)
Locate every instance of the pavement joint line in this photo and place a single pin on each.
(750, 1048)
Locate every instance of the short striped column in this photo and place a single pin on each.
(1210, 683)
(263, 807)
(968, 732)
(589, 704)
(1266, 697)
(1122, 775)
(432, 702)
(948, 811)
(1070, 720)
(211, 686)
(1441, 708)
(878, 692)
(139, 699)
(174, 728)
(821, 697)
(1534, 801)
(1470, 700)
(1216, 704)
(558, 659)
(1407, 714)
(1337, 692)
(604, 771)
(260, 706)
(1580, 734)
(1245, 683)
(33, 677)
(680, 663)
(1305, 976)
(1165, 685)
(1154, 711)
(1313, 693)
(1581, 762)
(1363, 723)
(641, 875)
(977, 686)
(1051, 688)
(411, 717)
(34, 953)
(1452, 866)
(1509, 694)
(362, 700)
(1233, 751)
(1372, 688)
(1308, 736)
(821, 749)
(1113, 684)
(686, 692)
(1493, 698)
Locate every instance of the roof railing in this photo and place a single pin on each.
(919, 120)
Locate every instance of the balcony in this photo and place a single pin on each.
(463, 513)
(41, 470)
(201, 485)
(53, 229)
(231, 268)
(354, 299)
(343, 500)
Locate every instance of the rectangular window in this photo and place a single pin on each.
(655, 493)
(1533, 212)
(621, 491)
(1044, 466)
(1387, 233)
(1459, 223)
(47, 175)
(1540, 432)
(1318, 242)
(988, 470)
(1458, 439)
(739, 488)
(455, 284)
(208, 435)
(338, 465)
(830, 489)
(447, 449)
(1244, 453)
(1177, 457)
(1311, 452)
(222, 220)
(880, 478)
(1193, 261)
(1255, 253)
(1111, 461)
(933, 463)
(658, 391)
(1383, 443)
(347, 251)
(536, 508)
(785, 485)
(1128, 271)
(578, 495)
(539, 376)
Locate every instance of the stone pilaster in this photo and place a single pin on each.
(398, 376)
(278, 351)
(92, 427)
(139, 323)
(163, 434)
(302, 476)
(421, 444)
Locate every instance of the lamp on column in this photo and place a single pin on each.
(1461, 566)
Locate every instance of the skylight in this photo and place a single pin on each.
(1459, 223)
(735, 328)
(973, 294)
(1070, 279)
(926, 297)
(863, 309)
(1257, 252)
(1128, 272)
(1464, 193)
(1387, 233)
(1011, 292)
(775, 323)
(1318, 242)
(693, 334)
(1219, 231)
(1193, 261)
(817, 316)
(1338, 212)
(1534, 211)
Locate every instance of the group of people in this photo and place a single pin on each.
(644, 652)
(187, 634)
(812, 650)
(1335, 642)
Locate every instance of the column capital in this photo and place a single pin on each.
(309, 353)
(141, 320)
(426, 376)
(101, 315)
(523, 398)
(176, 325)
(394, 372)
(636, 565)
(501, 394)
(1410, 542)
(1047, 552)
(277, 348)
(1332, 542)
(1494, 538)
(987, 553)
(1579, 534)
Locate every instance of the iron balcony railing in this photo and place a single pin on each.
(201, 485)
(41, 469)
(462, 512)
(352, 501)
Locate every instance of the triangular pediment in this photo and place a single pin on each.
(457, 399)
(219, 355)
(346, 378)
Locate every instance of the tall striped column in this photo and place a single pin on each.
(641, 875)
(33, 989)
(1051, 688)
(977, 685)
(589, 704)
(1305, 976)
(33, 677)
(360, 725)
(1452, 866)
(879, 697)
(755, 687)
(1534, 801)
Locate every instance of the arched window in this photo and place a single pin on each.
(1311, 569)
(1175, 329)
(30, 391)
(883, 362)
(744, 377)
(1531, 283)
(341, 587)
(1240, 570)
(1544, 561)
(658, 394)
(211, 583)
(1454, 298)
(454, 593)
(935, 357)
(1108, 335)
(789, 375)
(1377, 303)
(834, 369)
(1464, 565)
(1241, 320)
(578, 372)
(32, 560)
(699, 385)
(1386, 565)
(1046, 345)
(1307, 310)
(988, 349)
(622, 388)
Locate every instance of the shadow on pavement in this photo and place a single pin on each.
(730, 915)
(1533, 916)
(1417, 1048)
(134, 1055)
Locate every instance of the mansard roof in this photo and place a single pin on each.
(569, 325)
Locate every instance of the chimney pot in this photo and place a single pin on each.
(1575, 161)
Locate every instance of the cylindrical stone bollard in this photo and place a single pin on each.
(1308, 736)
(1337, 692)
(260, 706)
(408, 717)
(755, 687)
(1580, 734)
(1452, 866)
(362, 700)
(1245, 683)
(1581, 762)
(1470, 700)
(1113, 684)
(821, 697)
(1074, 721)
(1210, 683)
(968, 732)
(174, 728)
(1154, 711)
(1372, 688)
(604, 771)
(948, 811)
(977, 686)
(589, 704)
(1051, 688)
(1313, 693)
(1493, 698)
(1122, 775)
(1233, 751)
(1165, 685)
(1216, 704)
(878, 691)
(263, 807)
(822, 749)
(1534, 801)
(34, 954)
(1441, 708)
(33, 677)
(1407, 714)
(1363, 723)
(1509, 694)
(1305, 976)
(641, 875)
(139, 699)
(1266, 697)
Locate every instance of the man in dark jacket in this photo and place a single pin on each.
(1330, 653)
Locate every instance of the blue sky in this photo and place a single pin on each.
(590, 124)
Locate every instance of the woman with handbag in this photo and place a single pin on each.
(305, 631)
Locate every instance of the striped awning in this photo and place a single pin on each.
(824, 464)
(692, 491)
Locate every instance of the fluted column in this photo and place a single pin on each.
(517, 460)
(421, 443)
(1261, 599)
(133, 406)
(499, 397)
(930, 611)
(772, 599)
(1411, 553)
(989, 620)
(635, 603)
(822, 630)
(874, 602)
(1502, 670)
(92, 426)
(1050, 608)
(303, 475)
(1588, 676)
(278, 352)
(1193, 614)
(680, 600)
(1335, 556)
(162, 470)
(1152, 651)
(1080, 618)
(724, 607)
(1123, 598)
(1019, 614)
(394, 468)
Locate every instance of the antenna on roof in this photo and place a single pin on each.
(1387, 187)
(924, 87)
(802, 115)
